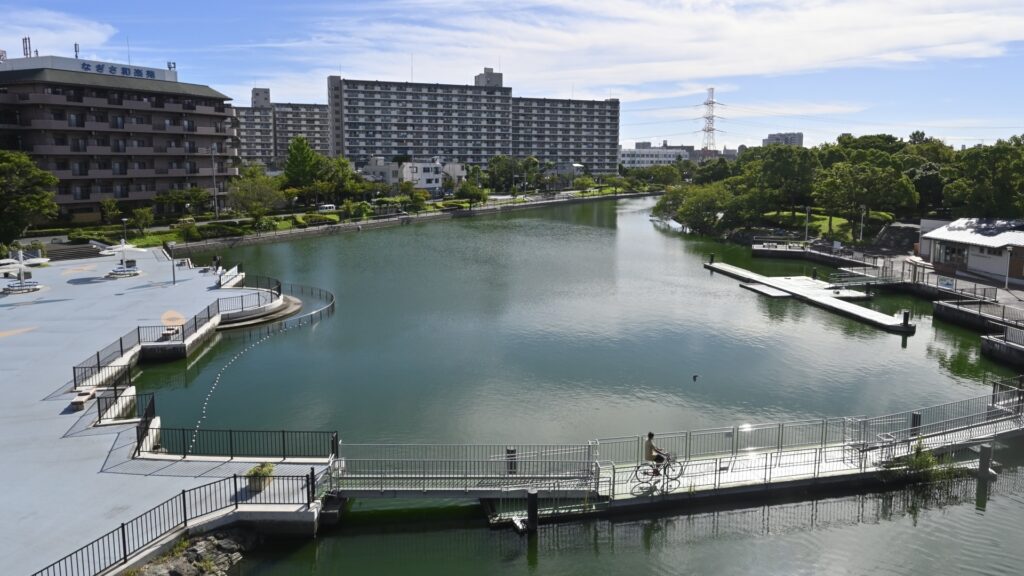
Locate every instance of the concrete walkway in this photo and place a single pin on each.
(67, 482)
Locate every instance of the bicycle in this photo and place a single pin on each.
(645, 472)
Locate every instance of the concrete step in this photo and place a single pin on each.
(56, 252)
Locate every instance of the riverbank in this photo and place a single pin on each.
(187, 249)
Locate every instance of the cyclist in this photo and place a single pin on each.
(654, 454)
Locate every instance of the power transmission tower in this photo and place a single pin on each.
(708, 148)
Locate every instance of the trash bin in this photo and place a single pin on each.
(129, 263)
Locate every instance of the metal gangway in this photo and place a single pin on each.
(460, 470)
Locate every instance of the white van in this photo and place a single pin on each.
(326, 208)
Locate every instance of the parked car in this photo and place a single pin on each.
(326, 208)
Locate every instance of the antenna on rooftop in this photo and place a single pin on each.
(129, 44)
(76, 50)
(26, 47)
(411, 69)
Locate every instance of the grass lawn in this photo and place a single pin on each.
(155, 238)
(818, 224)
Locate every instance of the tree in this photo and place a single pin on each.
(501, 173)
(337, 179)
(712, 171)
(418, 199)
(25, 194)
(303, 164)
(110, 210)
(988, 181)
(834, 190)
(704, 207)
(789, 171)
(470, 191)
(142, 218)
(583, 183)
(255, 194)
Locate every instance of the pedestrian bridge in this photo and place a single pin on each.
(745, 457)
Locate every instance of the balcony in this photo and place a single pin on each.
(100, 173)
(94, 101)
(142, 172)
(140, 150)
(41, 124)
(50, 149)
(133, 127)
(96, 125)
(136, 104)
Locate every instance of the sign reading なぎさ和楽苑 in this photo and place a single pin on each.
(89, 66)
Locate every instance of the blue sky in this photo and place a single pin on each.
(950, 68)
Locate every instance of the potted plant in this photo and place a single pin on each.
(259, 476)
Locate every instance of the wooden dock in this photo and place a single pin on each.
(818, 293)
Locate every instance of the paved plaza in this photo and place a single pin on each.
(66, 482)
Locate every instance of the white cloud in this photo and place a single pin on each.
(52, 33)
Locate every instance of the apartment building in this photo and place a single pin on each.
(785, 138)
(468, 124)
(267, 128)
(109, 130)
(645, 157)
(427, 175)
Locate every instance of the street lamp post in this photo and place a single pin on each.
(807, 222)
(174, 270)
(863, 210)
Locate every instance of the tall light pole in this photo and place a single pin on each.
(807, 222)
(863, 210)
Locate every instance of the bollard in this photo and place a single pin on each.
(532, 500)
(814, 273)
(906, 317)
(511, 464)
(915, 424)
(711, 258)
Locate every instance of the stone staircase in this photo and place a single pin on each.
(57, 252)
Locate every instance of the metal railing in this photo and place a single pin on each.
(113, 407)
(146, 416)
(94, 365)
(952, 285)
(461, 475)
(178, 332)
(697, 444)
(242, 443)
(1007, 315)
(117, 546)
(469, 452)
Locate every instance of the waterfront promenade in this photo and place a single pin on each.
(68, 482)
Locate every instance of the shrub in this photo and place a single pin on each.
(318, 219)
(85, 236)
(261, 470)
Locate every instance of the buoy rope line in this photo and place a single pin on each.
(220, 374)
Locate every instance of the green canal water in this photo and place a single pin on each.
(563, 325)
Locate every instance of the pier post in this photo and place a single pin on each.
(711, 258)
(532, 510)
(906, 317)
(984, 461)
(981, 490)
(814, 273)
(915, 424)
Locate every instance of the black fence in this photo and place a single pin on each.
(178, 332)
(122, 407)
(118, 545)
(94, 365)
(242, 443)
(146, 416)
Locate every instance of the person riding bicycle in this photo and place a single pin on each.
(654, 454)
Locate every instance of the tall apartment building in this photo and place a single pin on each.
(785, 138)
(110, 130)
(468, 124)
(267, 128)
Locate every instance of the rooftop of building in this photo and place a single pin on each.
(111, 82)
(987, 232)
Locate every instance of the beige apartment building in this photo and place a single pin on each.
(110, 130)
(469, 124)
(267, 128)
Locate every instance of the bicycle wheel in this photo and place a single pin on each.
(673, 470)
(644, 473)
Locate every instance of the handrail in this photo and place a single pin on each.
(120, 544)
